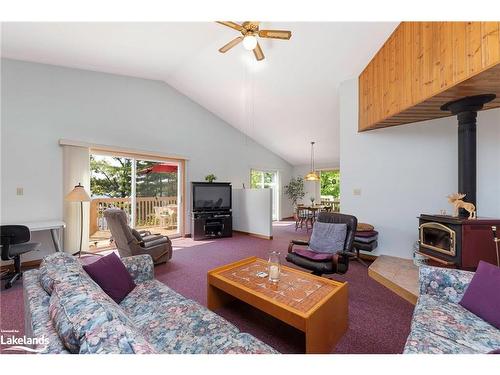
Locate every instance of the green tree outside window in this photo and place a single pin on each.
(330, 183)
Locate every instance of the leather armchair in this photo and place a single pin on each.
(334, 263)
(129, 242)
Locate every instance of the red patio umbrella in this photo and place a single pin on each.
(159, 168)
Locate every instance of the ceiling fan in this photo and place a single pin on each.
(250, 31)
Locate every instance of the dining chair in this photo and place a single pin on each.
(304, 216)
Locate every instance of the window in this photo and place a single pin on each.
(330, 188)
(267, 180)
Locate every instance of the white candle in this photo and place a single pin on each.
(274, 272)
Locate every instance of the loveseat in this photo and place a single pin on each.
(72, 314)
(440, 325)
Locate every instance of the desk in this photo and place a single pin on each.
(55, 226)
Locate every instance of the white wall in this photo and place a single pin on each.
(42, 104)
(253, 211)
(407, 170)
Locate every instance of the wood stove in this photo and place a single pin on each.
(458, 241)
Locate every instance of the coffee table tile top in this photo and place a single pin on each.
(295, 289)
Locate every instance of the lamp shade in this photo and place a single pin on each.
(312, 176)
(78, 194)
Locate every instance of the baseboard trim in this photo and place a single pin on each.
(28, 264)
(369, 257)
(254, 235)
(187, 235)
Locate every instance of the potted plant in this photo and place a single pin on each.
(210, 178)
(295, 191)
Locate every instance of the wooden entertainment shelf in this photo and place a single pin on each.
(423, 65)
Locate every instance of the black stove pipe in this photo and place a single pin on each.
(466, 111)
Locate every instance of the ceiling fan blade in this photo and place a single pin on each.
(257, 51)
(275, 34)
(232, 25)
(231, 44)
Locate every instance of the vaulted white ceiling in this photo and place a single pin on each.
(283, 102)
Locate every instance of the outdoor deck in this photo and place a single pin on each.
(155, 214)
(99, 241)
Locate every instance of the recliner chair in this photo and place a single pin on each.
(327, 263)
(130, 242)
(14, 242)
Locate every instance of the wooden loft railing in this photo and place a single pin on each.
(424, 65)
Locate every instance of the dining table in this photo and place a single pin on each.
(313, 209)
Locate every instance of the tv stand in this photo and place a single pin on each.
(211, 224)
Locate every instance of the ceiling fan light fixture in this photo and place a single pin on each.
(249, 42)
(250, 33)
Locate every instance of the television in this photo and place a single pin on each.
(211, 196)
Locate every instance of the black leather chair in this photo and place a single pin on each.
(337, 263)
(14, 242)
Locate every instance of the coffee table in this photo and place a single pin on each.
(315, 305)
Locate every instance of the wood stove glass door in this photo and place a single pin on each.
(438, 237)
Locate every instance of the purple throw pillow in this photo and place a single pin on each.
(112, 276)
(482, 297)
(368, 233)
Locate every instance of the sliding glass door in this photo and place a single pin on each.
(148, 190)
(261, 179)
(157, 197)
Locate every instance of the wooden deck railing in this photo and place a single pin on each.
(144, 213)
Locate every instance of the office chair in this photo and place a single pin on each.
(14, 242)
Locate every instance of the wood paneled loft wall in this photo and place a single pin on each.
(426, 64)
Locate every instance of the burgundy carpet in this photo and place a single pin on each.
(379, 320)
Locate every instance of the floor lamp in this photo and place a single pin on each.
(78, 194)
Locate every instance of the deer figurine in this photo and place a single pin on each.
(457, 202)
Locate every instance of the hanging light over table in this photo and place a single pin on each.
(312, 175)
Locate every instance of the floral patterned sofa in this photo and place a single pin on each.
(67, 308)
(440, 324)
